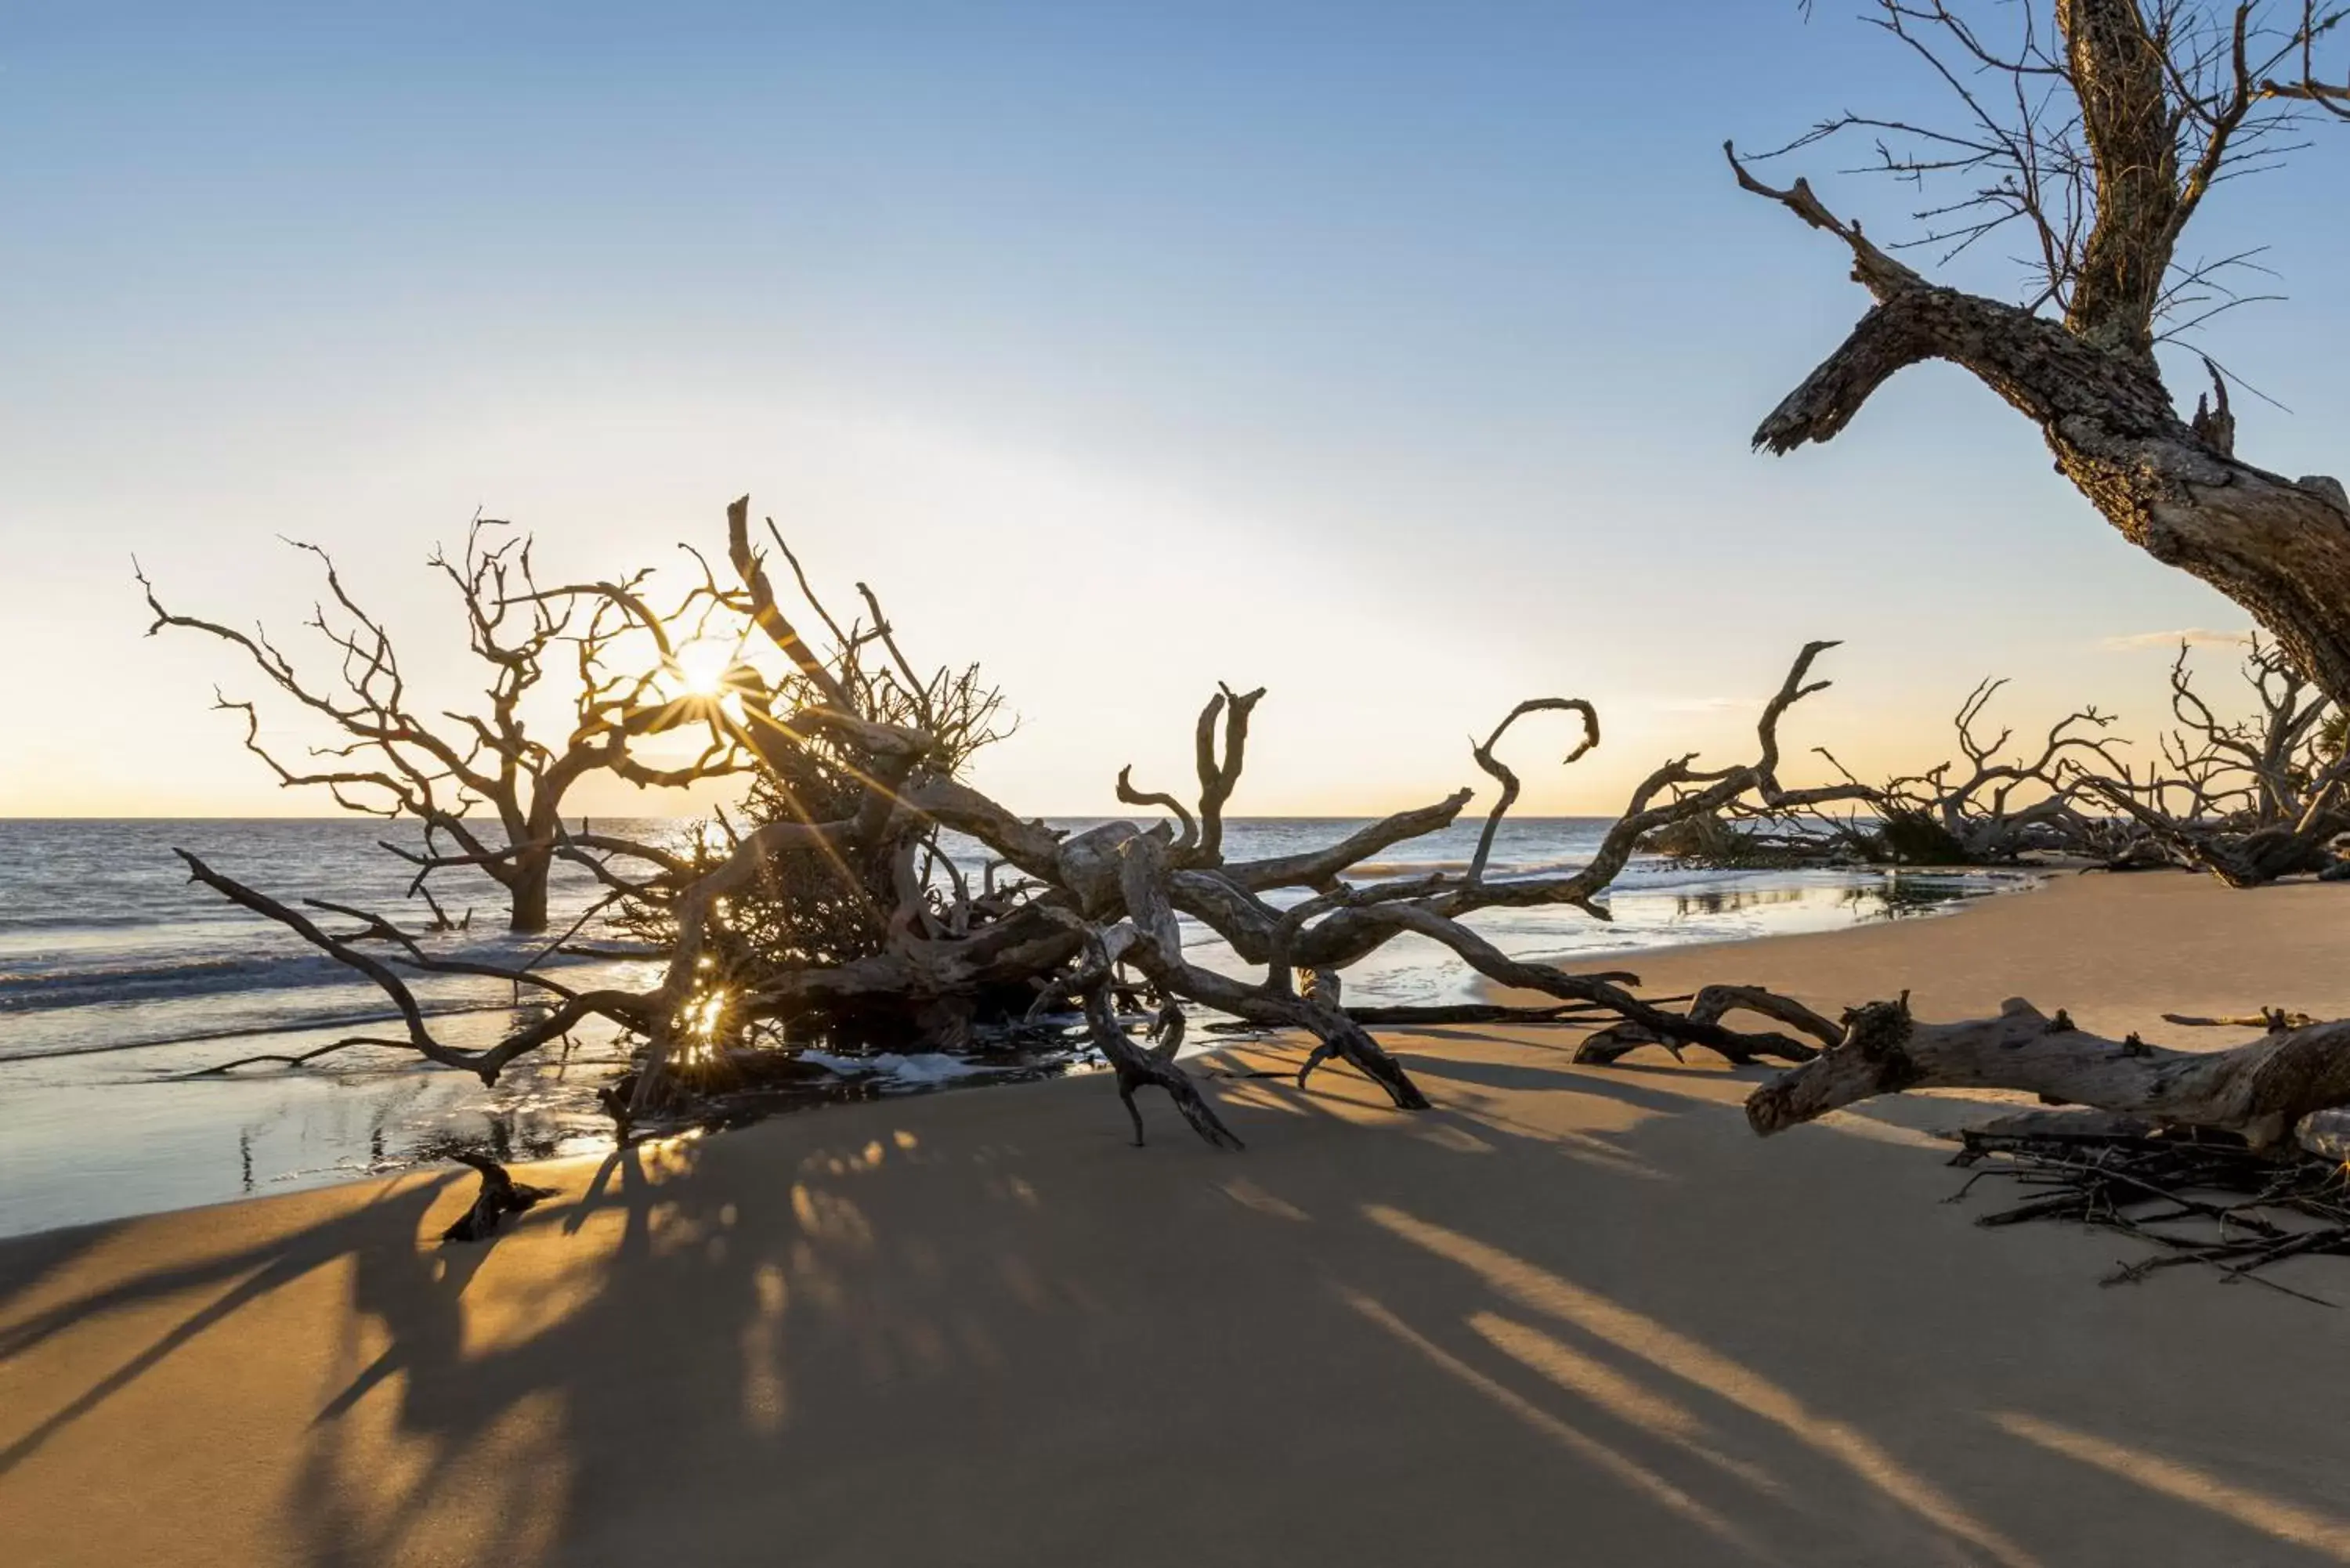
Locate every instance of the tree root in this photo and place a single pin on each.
(500, 1196)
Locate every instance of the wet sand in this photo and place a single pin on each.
(1570, 1315)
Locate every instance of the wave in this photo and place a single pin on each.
(183, 976)
(921, 1067)
(87, 920)
(296, 1023)
(1496, 869)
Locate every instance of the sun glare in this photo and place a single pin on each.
(701, 666)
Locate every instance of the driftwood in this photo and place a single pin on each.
(1087, 915)
(389, 758)
(2203, 1201)
(2249, 799)
(1711, 1005)
(1985, 807)
(500, 1196)
(2263, 1092)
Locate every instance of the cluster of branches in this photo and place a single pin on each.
(486, 791)
(2248, 798)
(841, 898)
(2048, 90)
(1092, 920)
(2097, 128)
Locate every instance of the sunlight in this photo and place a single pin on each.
(2328, 1535)
(1590, 1449)
(700, 668)
(1541, 1290)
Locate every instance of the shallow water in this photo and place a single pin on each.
(119, 977)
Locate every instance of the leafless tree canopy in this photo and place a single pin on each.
(610, 651)
(2040, 85)
(2097, 128)
(2248, 799)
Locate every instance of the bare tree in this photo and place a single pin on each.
(390, 759)
(1089, 915)
(2249, 799)
(2096, 128)
(1984, 808)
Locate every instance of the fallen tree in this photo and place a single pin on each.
(2268, 1092)
(1984, 808)
(1087, 916)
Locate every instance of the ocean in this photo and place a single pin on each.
(119, 978)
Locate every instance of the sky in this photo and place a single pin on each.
(1399, 358)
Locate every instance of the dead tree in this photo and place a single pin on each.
(389, 757)
(2096, 128)
(2266, 1091)
(1092, 913)
(1984, 808)
(2248, 800)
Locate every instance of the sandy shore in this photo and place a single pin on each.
(1570, 1315)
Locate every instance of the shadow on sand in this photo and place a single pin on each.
(1571, 1314)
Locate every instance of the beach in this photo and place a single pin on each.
(1572, 1314)
(123, 988)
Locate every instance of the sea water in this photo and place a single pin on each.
(120, 978)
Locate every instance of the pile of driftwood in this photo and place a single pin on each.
(2247, 799)
(863, 753)
(2207, 1201)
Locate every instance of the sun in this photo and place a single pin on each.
(700, 668)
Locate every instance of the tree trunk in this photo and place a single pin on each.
(2279, 548)
(526, 893)
(2260, 1091)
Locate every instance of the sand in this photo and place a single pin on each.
(1570, 1317)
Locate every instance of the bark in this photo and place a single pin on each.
(2279, 548)
(1138, 1067)
(2260, 1090)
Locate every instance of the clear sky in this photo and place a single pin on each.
(1399, 357)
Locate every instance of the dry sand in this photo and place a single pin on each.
(1570, 1317)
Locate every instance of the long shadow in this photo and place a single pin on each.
(255, 1270)
(984, 1330)
(1612, 1083)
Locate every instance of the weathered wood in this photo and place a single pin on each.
(500, 1196)
(395, 759)
(2119, 128)
(2259, 1091)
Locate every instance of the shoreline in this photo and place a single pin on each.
(960, 1327)
(2026, 880)
(148, 1126)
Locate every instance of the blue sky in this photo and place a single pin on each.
(1399, 357)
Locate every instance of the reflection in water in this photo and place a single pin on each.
(1887, 896)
